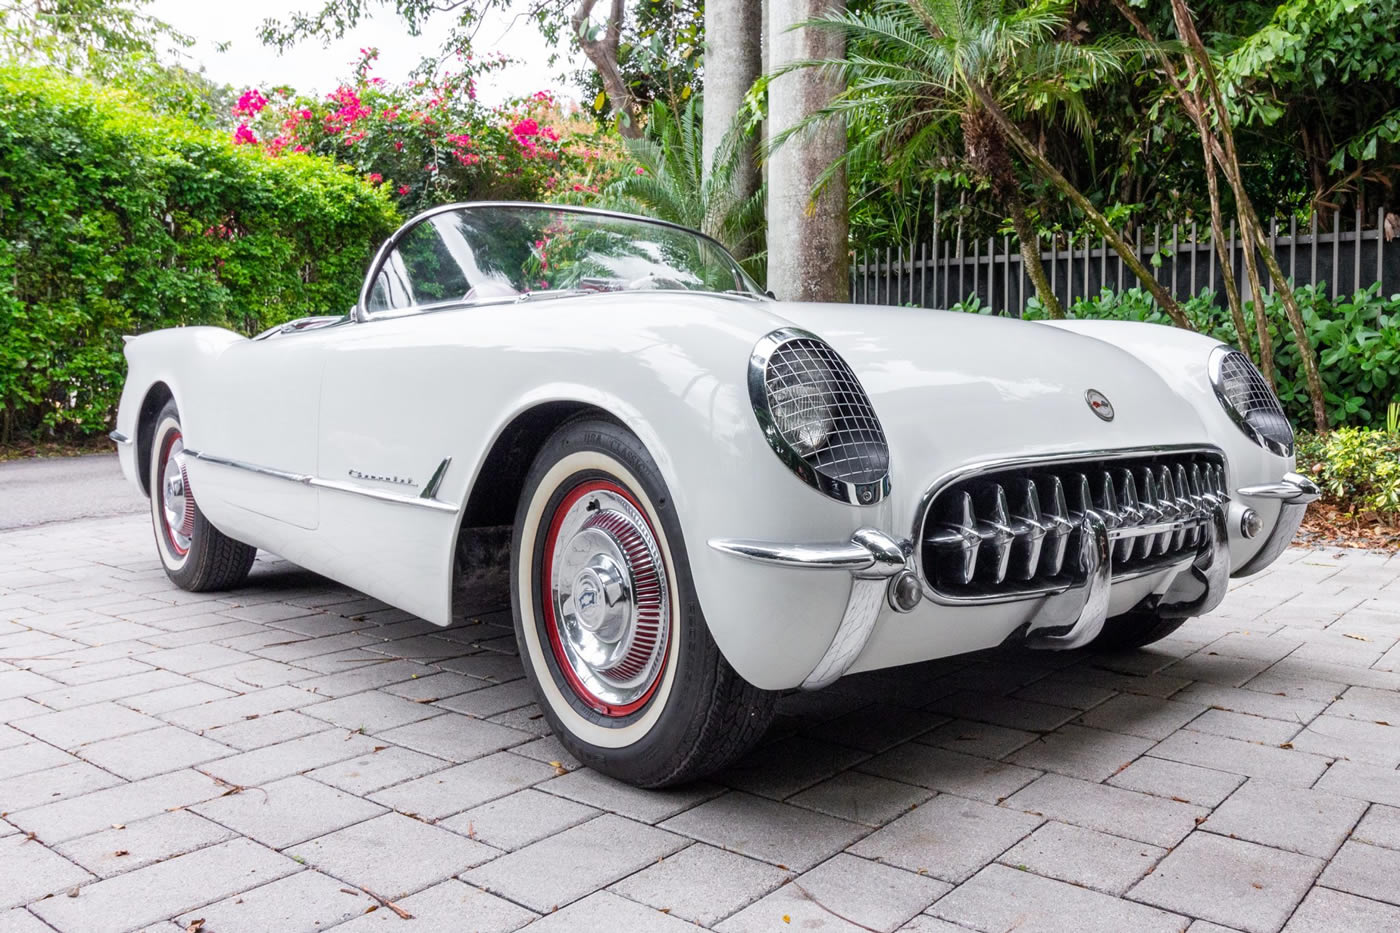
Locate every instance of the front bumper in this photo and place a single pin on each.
(1070, 617)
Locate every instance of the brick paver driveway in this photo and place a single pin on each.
(292, 755)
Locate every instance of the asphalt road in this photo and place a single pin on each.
(61, 489)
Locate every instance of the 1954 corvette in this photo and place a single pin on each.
(712, 496)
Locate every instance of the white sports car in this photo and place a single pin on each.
(704, 496)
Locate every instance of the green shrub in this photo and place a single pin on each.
(115, 221)
(1358, 467)
(1357, 341)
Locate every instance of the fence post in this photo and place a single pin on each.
(1380, 248)
(1336, 249)
(1006, 275)
(1356, 256)
(1292, 250)
(933, 295)
(1194, 231)
(923, 273)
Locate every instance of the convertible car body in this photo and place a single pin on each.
(713, 495)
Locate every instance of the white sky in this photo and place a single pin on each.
(310, 67)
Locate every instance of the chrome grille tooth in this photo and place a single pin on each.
(1052, 552)
(1106, 502)
(955, 541)
(1128, 507)
(1028, 524)
(1166, 504)
(1198, 502)
(1184, 510)
(1081, 504)
(1151, 511)
(1147, 491)
(996, 534)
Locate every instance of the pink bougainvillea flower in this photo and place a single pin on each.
(551, 134)
(403, 189)
(375, 178)
(398, 145)
(578, 187)
(250, 103)
(243, 135)
(640, 170)
(526, 127)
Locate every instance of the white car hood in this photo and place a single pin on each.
(952, 389)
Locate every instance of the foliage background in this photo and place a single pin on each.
(116, 221)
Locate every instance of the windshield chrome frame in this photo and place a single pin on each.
(361, 313)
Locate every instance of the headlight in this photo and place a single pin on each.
(817, 418)
(1251, 404)
(803, 415)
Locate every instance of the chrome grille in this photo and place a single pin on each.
(1249, 399)
(811, 392)
(1016, 531)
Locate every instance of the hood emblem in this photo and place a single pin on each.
(1099, 404)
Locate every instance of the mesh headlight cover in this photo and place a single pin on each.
(817, 417)
(1246, 395)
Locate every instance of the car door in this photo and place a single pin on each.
(262, 409)
(389, 486)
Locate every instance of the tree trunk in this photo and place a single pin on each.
(1031, 154)
(1195, 108)
(733, 60)
(1227, 268)
(808, 248)
(1229, 163)
(1030, 258)
(603, 54)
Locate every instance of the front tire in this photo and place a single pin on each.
(610, 630)
(196, 555)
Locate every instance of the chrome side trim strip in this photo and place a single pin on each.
(119, 438)
(384, 496)
(1292, 488)
(335, 485)
(248, 467)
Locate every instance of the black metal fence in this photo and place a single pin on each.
(949, 268)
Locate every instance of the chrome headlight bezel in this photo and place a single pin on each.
(867, 487)
(1239, 410)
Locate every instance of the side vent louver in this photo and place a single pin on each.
(1017, 531)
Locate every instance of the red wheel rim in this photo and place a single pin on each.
(603, 522)
(176, 499)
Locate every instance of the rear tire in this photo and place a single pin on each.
(610, 630)
(196, 555)
(1135, 629)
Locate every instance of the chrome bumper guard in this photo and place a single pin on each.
(1293, 493)
(1067, 618)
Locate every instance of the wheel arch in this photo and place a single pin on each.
(501, 477)
(154, 400)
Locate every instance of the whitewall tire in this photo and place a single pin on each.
(609, 627)
(196, 555)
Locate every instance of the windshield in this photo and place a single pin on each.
(488, 252)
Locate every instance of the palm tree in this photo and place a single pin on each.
(671, 182)
(922, 70)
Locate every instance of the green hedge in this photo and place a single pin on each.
(1357, 341)
(116, 221)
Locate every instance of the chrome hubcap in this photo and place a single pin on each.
(177, 504)
(610, 601)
